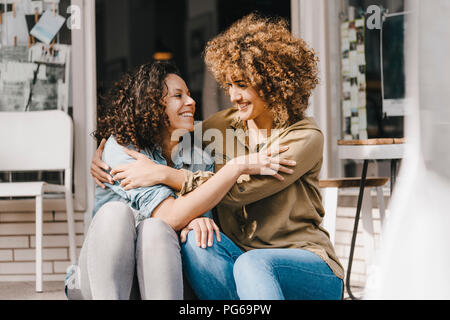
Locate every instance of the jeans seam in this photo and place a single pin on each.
(275, 272)
(310, 272)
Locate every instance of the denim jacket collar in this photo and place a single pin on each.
(177, 159)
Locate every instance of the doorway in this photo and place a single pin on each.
(130, 32)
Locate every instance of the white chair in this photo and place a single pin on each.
(31, 141)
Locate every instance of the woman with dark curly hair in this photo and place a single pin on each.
(148, 111)
(273, 245)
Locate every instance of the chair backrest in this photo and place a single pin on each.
(37, 140)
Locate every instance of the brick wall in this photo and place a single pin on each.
(344, 229)
(17, 242)
(17, 245)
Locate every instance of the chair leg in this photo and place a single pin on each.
(330, 199)
(39, 243)
(71, 226)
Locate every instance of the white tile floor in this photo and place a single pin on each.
(358, 292)
(54, 290)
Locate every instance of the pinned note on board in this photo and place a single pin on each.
(15, 30)
(47, 26)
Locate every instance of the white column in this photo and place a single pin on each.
(84, 101)
(317, 22)
(91, 99)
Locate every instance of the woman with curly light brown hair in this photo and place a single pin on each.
(149, 112)
(279, 67)
(273, 246)
(272, 243)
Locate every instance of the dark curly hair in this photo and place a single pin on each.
(263, 52)
(133, 111)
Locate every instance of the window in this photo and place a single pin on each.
(377, 112)
(380, 120)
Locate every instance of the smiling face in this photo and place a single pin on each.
(180, 107)
(246, 100)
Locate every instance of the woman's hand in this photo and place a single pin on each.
(99, 168)
(144, 172)
(204, 229)
(266, 162)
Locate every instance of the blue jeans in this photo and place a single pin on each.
(225, 272)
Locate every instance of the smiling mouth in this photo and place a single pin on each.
(243, 107)
(186, 115)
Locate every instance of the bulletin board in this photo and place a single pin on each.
(34, 67)
(354, 113)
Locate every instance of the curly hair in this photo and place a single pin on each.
(263, 52)
(133, 111)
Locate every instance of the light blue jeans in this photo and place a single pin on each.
(225, 272)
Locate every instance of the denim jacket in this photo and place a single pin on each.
(145, 200)
(142, 200)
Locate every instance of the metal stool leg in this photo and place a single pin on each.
(394, 167)
(355, 229)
